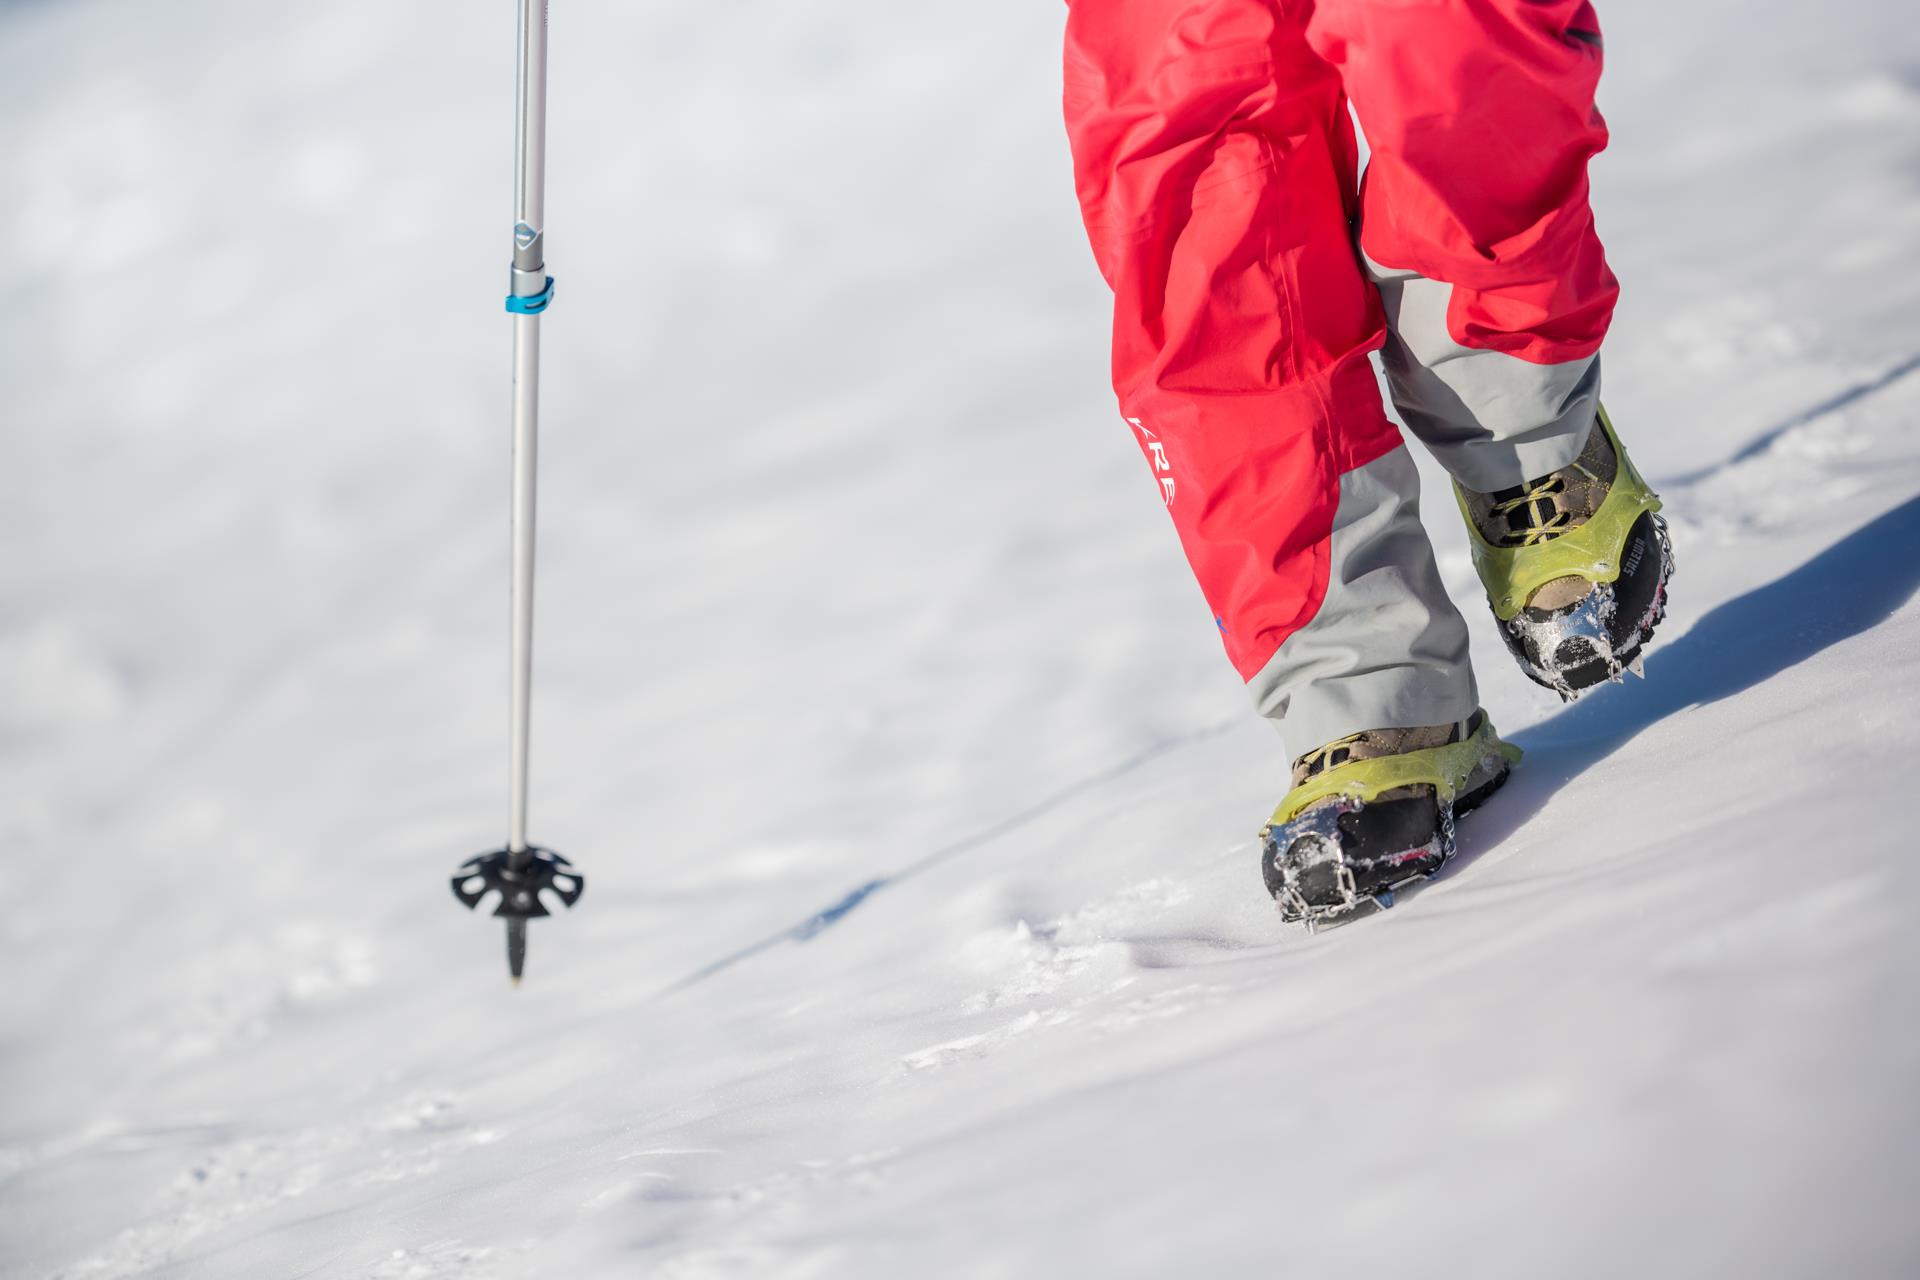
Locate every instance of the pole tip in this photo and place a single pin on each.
(516, 947)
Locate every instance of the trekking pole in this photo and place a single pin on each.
(521, 872)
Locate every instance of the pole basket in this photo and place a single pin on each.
(519, 877)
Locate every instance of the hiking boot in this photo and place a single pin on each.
(1374, 812)
(1576, 564)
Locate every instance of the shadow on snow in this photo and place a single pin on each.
(1765, 440)
(831, 915)
(1851, 586)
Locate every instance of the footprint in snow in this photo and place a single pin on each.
(1094, 941)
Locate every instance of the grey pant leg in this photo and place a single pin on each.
(1387, 650)
(1491, 419)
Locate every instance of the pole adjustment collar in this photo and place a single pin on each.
(532, 305)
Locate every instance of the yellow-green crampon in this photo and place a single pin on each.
(1373, 813)
(1576, 564)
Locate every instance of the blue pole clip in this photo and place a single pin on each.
(534, 305)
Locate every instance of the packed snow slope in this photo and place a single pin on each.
(923, 933)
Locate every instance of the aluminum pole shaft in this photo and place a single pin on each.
(530, 146)
(528, 280)
(526, 425)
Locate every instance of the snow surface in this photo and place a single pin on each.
(924, 934)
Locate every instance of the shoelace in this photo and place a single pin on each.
(1323, 758)
(1533, 502)
(1340, 751)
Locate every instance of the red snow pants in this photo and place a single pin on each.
(1218, 175)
